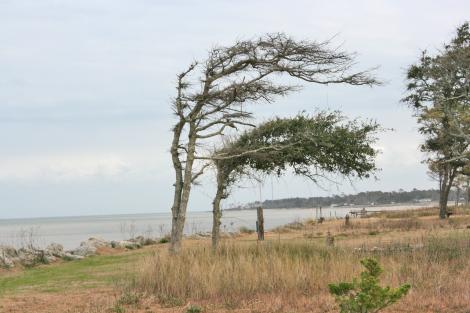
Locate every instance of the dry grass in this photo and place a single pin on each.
(289, 272)
(432, 257)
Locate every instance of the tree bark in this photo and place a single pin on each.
(260, 229)
(216, 212)
(467, 199)
(182, 193)
(175, 209)
(444, 190)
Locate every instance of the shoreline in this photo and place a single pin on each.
(412, 205)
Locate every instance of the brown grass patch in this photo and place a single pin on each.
(437, 268)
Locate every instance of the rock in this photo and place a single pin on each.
(31, 256)
(127, 244)
(6, 262)
(96, 242)
(8, 251)
(84, 250)
(143, 241)
(7, 254)
(50, 258)
(89, 247)
(71, 257)
(55, 249)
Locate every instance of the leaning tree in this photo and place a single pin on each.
(210, 96)
(316, 146)
(439, 92)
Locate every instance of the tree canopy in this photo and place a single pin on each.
(315, 146)
(309, 145)
(439, 92)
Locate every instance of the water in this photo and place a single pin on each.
(70, 231)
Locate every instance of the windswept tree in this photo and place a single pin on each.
(210, 95)
(317, 147)
(439, 92)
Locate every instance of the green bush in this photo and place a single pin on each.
(194, 309)
(245, 230)
(364, 295)
(165, 239)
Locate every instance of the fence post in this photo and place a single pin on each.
(260, 223)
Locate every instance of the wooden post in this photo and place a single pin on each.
(260, 223)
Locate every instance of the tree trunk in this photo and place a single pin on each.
(444, 190)
(467, 202)
(175, 209)
(182, 190)
(443, 204)
(260, 223)
(216, 212)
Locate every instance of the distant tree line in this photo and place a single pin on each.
(362, 198)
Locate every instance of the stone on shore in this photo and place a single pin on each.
(56, 250)
(96, 242)
(143, 241)
(127, 244)
(84, 250)
(71, 257)
(89, 247)
(32, 256)
(7, 256)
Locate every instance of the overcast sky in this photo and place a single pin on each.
(85, 91)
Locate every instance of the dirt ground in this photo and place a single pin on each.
(105, 301)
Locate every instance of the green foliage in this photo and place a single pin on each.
(312, 146)
(365, 295)
(165, 239)
(438, 90)
(194, 309)
(245, 230)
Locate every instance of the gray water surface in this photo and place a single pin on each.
(70, 231)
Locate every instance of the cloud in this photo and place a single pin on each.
(85, 88)
(60, 168)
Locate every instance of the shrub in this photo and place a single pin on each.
(365, 295)
(194, 309)
(297, 225)
(165, 239)
(245, 230)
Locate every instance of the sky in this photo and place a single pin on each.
(86, 89)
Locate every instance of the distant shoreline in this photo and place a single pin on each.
(412, 204)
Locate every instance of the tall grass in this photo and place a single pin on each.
(438, 270)
(237, 270)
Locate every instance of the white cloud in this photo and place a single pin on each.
(59, 168)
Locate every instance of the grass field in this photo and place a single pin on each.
(289, 272)
(93, 272)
